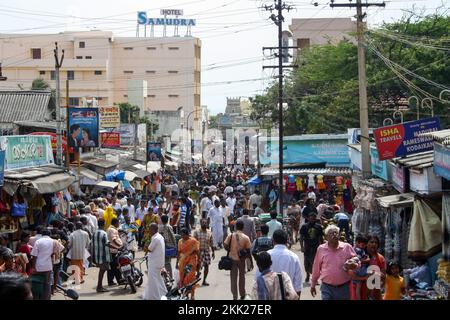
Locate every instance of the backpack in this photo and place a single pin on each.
(260, 248)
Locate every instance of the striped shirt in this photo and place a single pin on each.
(99, 248)
(183, 214)
(78, 243)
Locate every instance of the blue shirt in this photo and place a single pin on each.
(341, 216)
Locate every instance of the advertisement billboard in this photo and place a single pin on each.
(127, 134)
(109, 117)
(26, 151)
(154, 151)
(110, 138)
(2, 166)
(442, 161)
(403, 139)
(53, 139)
(83, 127)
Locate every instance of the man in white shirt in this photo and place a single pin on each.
(225, 214)
(228, 190)
(255, 198)
(231, 202)
(273, 224)
(42, 260)
(205, 205)
(140, 213)
(131, 209)
(93, 223)
(215, 220)
(155, 288)
(284, 260)
(115, 205)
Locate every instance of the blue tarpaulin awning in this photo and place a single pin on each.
(254, 181)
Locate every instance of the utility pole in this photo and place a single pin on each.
(136, 118)
(67, 126)
(363, 106)
(58, 64)
(278, 19)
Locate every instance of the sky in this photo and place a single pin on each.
(233, 32)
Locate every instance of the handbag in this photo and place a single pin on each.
(18, 210)
(242, 253)
(171, 252)
(282, 290)
(225, 262)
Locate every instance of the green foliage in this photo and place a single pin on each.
(323, 93)
(39, 84)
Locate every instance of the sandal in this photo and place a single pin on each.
(205, 284)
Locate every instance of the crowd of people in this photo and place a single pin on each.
(192, 217)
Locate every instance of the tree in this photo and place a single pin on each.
(213, 122)
(128, 113)
(40, 84)
(404, 58)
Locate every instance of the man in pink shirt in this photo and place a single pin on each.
(331, 265)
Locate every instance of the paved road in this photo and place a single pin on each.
(219, 288)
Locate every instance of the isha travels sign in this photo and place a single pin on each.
(26, 151)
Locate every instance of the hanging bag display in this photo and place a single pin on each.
(18, 210)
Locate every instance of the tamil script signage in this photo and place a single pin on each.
(110, 138)
(379, 167)
(109, 117)
(403, 139)
(26, 151)
(142, 19)
(2, 166)
(442, 161)
(53, 139)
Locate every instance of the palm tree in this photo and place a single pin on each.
(42, 85)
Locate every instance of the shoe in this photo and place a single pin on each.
(112, 284)
(205, 284)
(101, 290)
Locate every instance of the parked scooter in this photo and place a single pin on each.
(133, 276)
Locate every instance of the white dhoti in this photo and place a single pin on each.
(217, 234)
(155, 288)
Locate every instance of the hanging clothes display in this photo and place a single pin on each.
(311, 182)
(425, 238)
(320, 183)
(291, 186)
(300, 185)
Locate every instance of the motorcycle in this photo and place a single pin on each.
(133, 276)
(177, 293)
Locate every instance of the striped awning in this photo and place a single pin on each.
(306, 171)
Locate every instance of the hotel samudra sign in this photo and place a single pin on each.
(404, 139)
(169, 17)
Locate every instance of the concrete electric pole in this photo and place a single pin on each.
(363, 106)
(58, 64)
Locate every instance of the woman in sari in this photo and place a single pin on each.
(108, 215)
(187, 260)
(149, 218)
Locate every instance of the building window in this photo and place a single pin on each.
(173, 95)
(41, 72)
(98, 72)
(127, 48)
(74, 102)
(125, 96)
(79, 57)
(151, 96)
(151, 48)
(150, 71)
(36, 53)
(173, 71)
(99, 98)
(52, 75)
(70, 75)
(303, 43)
(128, 72)
(174, 48)
(81, 44)
(88, 57)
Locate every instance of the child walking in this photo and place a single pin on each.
(394, 284)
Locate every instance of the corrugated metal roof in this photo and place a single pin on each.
(50, 125)
(102, 163)
(442, 136)
(24, 106)
(306, 171)
(417, 161)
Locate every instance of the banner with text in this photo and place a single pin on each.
(26, 151)
(403, 139)
(109, 117)
(110, 138)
